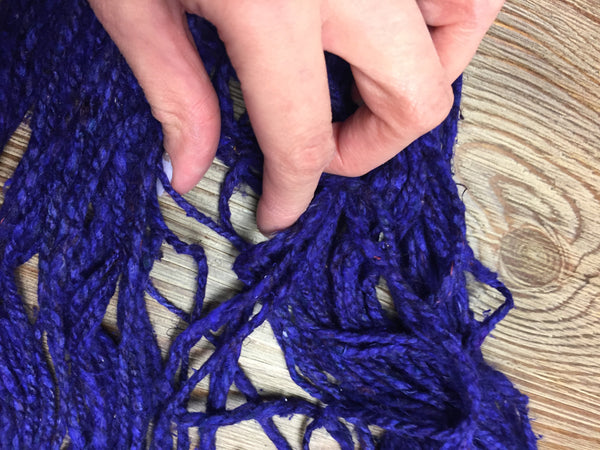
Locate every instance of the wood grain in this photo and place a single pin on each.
(528, 153)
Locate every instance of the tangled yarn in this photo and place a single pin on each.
(83, 200)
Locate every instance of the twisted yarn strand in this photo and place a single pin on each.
(83, 199)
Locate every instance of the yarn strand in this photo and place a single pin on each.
(83, 200)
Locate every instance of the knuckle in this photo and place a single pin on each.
(309, 154)
(178, 109)
(425, 112)
(197, 121)
(203, 112)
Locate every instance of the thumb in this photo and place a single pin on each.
(154, 38)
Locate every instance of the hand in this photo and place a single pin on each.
(404, 56)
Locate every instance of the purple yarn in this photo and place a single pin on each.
(83, 199)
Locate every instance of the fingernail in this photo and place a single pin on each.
(168, 169)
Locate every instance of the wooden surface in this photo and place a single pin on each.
(529, 155)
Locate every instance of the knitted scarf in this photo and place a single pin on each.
(83, 199)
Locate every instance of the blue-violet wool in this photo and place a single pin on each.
(83, 199)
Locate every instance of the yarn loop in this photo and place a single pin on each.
(83, 199)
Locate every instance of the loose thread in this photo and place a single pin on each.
(83, 199)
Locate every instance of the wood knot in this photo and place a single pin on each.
(530, 257)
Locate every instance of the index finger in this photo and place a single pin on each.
(277, 52)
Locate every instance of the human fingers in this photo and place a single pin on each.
(154, 38)
(457, 27)
(277, 52)
(398, 74)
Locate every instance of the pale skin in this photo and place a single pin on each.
(404, 56)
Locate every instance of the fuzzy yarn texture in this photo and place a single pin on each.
(84, 200)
